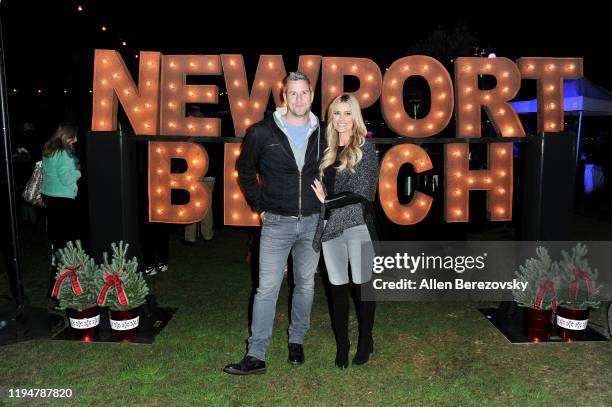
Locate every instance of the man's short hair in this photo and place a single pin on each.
(295, 76)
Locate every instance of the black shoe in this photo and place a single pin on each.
(188, 242)
(150, 271)
(342, 356)
(365, 347)
(340, 321)
(296, 353)
(365, 315)
(248, 365)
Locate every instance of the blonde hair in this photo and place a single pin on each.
(351, 155)
(60, 140)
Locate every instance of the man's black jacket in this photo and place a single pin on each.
(284, 189)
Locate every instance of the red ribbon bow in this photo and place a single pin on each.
(580, 275)
(113, 280)
(545, 286)
(70, 272)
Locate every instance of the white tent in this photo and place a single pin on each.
(580, 97)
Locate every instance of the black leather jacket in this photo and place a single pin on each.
(284, 189)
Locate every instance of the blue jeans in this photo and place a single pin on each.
(279, 236)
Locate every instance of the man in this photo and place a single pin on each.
(285, 150)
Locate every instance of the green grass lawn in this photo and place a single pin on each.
(425, 353)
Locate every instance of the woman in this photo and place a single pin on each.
(349, 170)
(59, 187)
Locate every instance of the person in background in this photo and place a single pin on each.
(29, 149)
(61, 171)
(203, 228)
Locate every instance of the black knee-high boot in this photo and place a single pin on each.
(365, 316)
(340, 307)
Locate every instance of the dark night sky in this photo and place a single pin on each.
(49, 45)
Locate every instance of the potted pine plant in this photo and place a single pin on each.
(539, 299)
(578, 294)
(123, 290)
(75, 289)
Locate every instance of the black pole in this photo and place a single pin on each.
(113, 170)
(548, 173)
(23, 323)
(16, 280)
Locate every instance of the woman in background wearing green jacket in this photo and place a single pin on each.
(59, 188)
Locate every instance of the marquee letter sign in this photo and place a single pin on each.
(418, 208)
(157, 106)
(162, 181)
(441, 88)
(175, 94)
(470, 99)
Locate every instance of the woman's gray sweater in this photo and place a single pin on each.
(362, 182)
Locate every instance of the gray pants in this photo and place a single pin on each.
(205, 226)
(342, 249)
